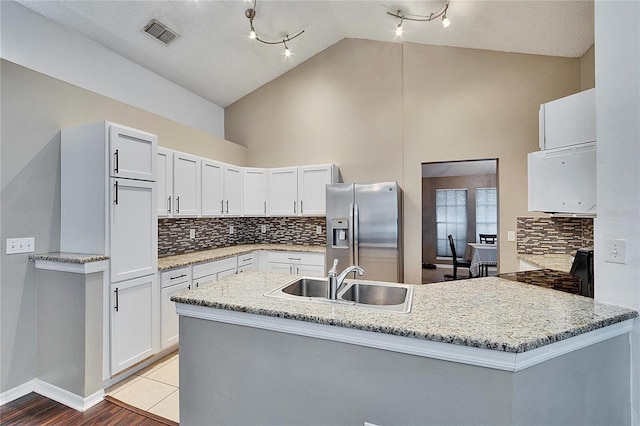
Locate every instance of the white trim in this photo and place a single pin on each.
(499, 360)
(67, 398)
(17, 392)
(76, 268)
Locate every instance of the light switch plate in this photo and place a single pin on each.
(318, 230)
(511, 235)
(231, 230)
(20, 245)
(263, 229)
(616, 251)
(192, 233)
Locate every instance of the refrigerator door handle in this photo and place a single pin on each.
(351, 258)
(356, 235)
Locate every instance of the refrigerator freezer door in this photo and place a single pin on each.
(339, 225)
(377, 231)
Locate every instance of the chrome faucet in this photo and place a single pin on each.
(336, 281)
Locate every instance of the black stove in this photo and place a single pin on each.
(549, 278)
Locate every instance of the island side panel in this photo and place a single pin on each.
(240, 375)
(585, 387)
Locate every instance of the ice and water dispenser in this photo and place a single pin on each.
(340, 233)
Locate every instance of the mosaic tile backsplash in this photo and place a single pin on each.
(553, 235)
(173, 234)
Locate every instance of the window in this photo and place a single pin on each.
(486, 211)
(451, 219)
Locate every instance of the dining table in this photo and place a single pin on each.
(481, 256)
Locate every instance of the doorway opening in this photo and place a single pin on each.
(459, 199)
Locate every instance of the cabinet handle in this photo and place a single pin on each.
(221, 206)
(177, 204)
(265, 207)
(115, 198)
(179, 276)
(227, 206)
(116, 161)
(294, 258)
(116, 307)
(291, 269)
(294, 207)
(197, 284)
(300, 206)
(189, 287)
(169, 208)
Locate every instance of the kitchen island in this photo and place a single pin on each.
(482, 351)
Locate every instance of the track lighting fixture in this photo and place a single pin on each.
(253, 34)
(422, 18)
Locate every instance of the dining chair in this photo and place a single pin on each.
(458, 263)
(488, 238)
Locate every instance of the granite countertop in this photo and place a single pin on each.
(490, 313)
(557, 262)
(69, 257)
(180, 260)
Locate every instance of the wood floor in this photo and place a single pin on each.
(34, 409)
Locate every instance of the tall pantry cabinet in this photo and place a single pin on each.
(109, 206)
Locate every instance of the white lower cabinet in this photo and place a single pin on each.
(133, 317)
(247, 262)
(172, 282)
(310, 264)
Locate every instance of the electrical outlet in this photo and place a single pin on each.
(511, 235)
(192, 233)
(263, 229)
(616, 251)
(231, 230)
(20, 245)
(318, 230)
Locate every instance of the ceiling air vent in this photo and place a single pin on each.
(160, 31)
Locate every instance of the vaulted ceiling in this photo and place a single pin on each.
(214, 57)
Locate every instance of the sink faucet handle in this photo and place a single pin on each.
(333, 269)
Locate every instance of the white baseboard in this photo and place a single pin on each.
(17, 392)
(67, 398)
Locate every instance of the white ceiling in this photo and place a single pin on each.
(215, 58)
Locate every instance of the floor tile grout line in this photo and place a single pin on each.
(176, 390)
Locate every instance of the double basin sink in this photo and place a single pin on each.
(372, 295)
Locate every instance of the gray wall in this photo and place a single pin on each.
(240, 375)
(34, 108)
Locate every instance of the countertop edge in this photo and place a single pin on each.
(65, 257)
(447, 351)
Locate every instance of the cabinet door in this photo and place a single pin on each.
(226, 273)
(281, 268)
(133, 229)
(283, 192)
(212, 188)
(169, 318)
(164, 169)
(232, 190)
(132, 153)
(310, 270)
(254, 192)
(312, 188)
(568, 121)
(132, 319)
(186, 185)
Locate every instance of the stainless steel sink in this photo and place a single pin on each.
(307, 287)
(371, 294)
(363, 294)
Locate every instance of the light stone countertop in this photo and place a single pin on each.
(180, 260)
(557, 262)
(490, 313)
(69, 257)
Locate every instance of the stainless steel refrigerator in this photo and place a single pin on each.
(364, 228)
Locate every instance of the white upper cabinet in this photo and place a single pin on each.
(568, 121)
(212, 188)
(232, 190)
(563, 180)
(164, 171)
(132, 152)
(312, 188)
(283, 191)
(254, 191)
(186, 184)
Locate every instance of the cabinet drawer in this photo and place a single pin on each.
(296, 258)
(246, 259)
(214, 267)
(175, 276)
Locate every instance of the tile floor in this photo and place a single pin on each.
(153, 389)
